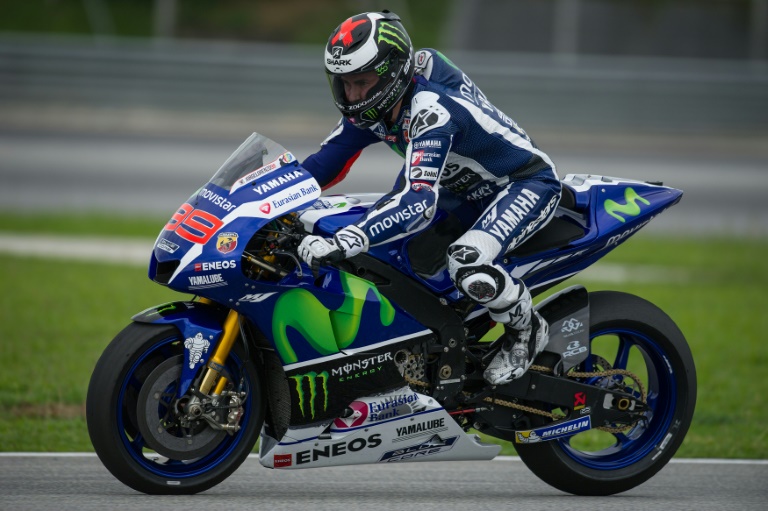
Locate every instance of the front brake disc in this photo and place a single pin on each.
(160, 419)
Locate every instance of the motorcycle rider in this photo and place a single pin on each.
(456, 144)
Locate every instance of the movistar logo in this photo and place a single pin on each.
(314, 382)
(393, 36)
(631, 208)
(327, 331)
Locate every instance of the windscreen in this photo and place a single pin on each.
(255, 157)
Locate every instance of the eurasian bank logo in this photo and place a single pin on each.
(312, 391)
(631, 208)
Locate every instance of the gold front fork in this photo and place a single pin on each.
(216, 362)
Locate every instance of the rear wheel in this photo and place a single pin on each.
(133, 415)
(629, 333)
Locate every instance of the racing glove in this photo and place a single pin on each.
(347, 242)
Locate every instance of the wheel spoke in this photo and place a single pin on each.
(138, 442)
(622, 354)
(621, 440)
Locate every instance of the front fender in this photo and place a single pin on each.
(200, 324)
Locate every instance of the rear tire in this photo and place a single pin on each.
(645, 330)
(114, 412)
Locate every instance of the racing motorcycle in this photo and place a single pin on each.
(379, 359)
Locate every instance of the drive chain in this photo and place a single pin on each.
(536, 411)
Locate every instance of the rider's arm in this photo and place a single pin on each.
(410, 206)
(337, 153)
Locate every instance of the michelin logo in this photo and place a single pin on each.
(552, 432)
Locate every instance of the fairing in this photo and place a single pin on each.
(334, 332)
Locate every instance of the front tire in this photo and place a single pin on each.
(118, 419)
(639, 334)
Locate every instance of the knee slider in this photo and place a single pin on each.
(482, 283)
(471, 267)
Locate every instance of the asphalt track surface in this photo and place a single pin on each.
(80, 482)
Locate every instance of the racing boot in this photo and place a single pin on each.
(519, 349)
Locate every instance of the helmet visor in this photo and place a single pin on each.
(365, 94)
(357, 92)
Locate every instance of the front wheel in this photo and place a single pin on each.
(628, 333)
(133, 415)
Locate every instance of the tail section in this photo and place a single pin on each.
(597, 214)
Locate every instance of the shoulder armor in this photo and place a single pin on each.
(427, 114)
(424, 63)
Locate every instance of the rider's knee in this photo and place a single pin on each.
(473, 271)
(471, 267)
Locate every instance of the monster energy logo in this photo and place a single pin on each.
(370, 114)
(327, 331)
(630, 208)
(163, 310)
(312, 381)
(392, 35)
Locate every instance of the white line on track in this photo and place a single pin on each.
(693, 461)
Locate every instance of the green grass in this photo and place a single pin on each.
(58, 316)
(84, 223)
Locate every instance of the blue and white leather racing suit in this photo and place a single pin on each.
(456, 143)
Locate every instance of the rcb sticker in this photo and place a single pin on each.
(227, 242)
